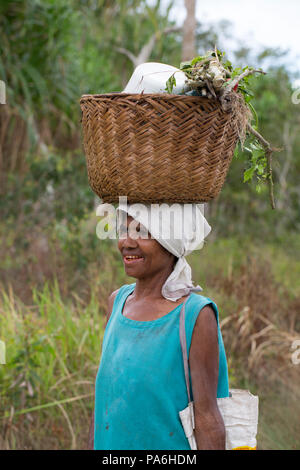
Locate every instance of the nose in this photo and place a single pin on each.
(129, 242)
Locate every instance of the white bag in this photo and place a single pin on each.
(151, 77)
(239, 410)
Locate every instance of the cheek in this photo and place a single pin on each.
(154, 252)
(148, 247)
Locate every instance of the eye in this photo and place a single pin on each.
(122, 230)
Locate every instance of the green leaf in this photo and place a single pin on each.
(235, 72)
(220, 54)
(254, 114)
(248, 174)
(185, 65)
(170, 83)
(256, 154)
(236, 151)
(228, 65)
(199, 59)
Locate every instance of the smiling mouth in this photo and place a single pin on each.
(129, 259)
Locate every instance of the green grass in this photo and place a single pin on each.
(279, 418)
(47, 385)
(223, 256)
(217, 269)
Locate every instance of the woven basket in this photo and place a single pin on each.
(157, 148)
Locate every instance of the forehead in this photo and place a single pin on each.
(124, 218)
(126, 221)
(127, 218)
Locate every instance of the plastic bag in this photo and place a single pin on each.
(240, 416)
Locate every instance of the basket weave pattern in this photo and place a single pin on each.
(156, 148)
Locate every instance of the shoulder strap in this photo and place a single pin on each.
(182, 336)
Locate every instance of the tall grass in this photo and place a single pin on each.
(257, 289)
(47, 385)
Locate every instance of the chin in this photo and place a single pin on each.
(132, 272)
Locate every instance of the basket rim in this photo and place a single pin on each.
(153, 96)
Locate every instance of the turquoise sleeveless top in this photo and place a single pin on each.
(140, 385)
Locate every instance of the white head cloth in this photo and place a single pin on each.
(180, 229)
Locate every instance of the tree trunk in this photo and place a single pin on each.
(189, 31)
(146, 50)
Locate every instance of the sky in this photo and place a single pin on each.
(256, 23)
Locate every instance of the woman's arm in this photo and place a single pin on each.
(110, 303)
(204, 367)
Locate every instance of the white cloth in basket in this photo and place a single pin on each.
(151, 77)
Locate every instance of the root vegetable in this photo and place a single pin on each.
(211, 77)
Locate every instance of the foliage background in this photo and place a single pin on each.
(55, 274)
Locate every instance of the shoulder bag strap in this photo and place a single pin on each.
(182, 336)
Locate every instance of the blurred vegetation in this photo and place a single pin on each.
(55, 274)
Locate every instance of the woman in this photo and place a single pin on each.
(140, 385)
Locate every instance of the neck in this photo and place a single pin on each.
(151, 286)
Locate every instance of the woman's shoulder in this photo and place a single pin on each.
(120, 291)
(116, 297)
(198, 302)
(199, 299)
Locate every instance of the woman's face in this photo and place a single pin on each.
(143, 257)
